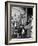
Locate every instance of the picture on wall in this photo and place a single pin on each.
(20, 22)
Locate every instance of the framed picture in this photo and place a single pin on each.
(20, 22)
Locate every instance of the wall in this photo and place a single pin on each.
(2, 23)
